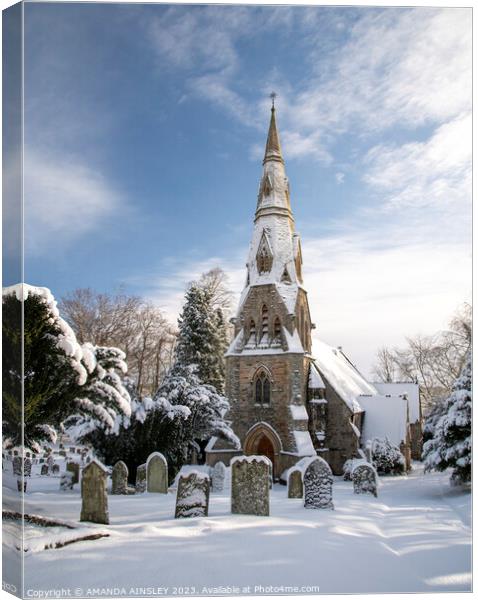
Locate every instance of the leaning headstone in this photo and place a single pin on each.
(318, 482)
(55, 469)
(192, 498)
(218, 477)
(295, 487)
(119, 483)
(44, 470)
(94, 499)
(17, 466)
(250, 485)
(157, 473)
(141, 479)
(74, 469)
(66, 481)
(364, 478)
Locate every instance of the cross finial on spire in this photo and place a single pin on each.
(273, 96)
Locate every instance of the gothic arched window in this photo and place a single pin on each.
(251, 342)
(264, 256)
(262, 389)
(277, 333)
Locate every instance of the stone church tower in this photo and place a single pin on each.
(268, 364)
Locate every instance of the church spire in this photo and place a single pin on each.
(273, 149)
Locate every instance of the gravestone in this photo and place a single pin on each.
(44, 470)
(72, 450)
(192, 499)
(15, 453)
(157, 473)
(364, 478)
(94, 499)
(74, 469)
(50, 461)
(250, 485)
(17, 466)
(141, 479)
(119, 484)
(66, 481)
(55, 469)
(318, 482)
(62, 452)
(218, 477)
(27, 467)
(295, 487)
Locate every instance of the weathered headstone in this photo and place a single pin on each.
(74, 469)
(17, 466)
(55, 469)
(66, 481)
(44, 470)
(94, 499)
(27, 467)
(157, 473)
(192, 498)
(250, 485)
(218, 477)
(141, 479)
(295, 487)
(119, 483)
(318, 482)
(364, 478)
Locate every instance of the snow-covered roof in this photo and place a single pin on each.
(385, 416)
(304, 444)
(315, 380)
(299, 412)
(397, 389)
(346, 380)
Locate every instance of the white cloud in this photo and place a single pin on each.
(339, 177)
(64, 200)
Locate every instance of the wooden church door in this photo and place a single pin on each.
(265, 448)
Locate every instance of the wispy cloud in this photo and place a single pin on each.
(64, 200)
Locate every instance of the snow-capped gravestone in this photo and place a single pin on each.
(218, 477)
(74, 469)
(295, 487)
(27, 467)
(44, 470)
(94, 499)
(250, 485)
(157, 473)
(55, 469)
(141, 479)
(119, 478)
(318, 482)
(192, 498)
(364, 478)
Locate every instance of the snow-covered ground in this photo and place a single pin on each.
(415, 537)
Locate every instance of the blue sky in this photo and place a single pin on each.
(144, 132)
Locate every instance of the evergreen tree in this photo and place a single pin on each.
(202, 339)
(450, 445)
(59, 376)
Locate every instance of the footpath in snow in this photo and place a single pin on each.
(415, 537)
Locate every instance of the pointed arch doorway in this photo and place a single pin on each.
(262, 440)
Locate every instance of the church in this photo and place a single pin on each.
(289, 400)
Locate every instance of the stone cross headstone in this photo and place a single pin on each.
(364, 478)
(17, 466)
(119, 478)
(55, 469)
(192, 499)
(66, 481)
(218, 477)
(44, 470)
(94, 499)
(295, 487)
(141, 479)
(250, 485)
(157, 473)
(318, 482)
(74, 469)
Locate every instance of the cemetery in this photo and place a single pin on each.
(233, 516)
